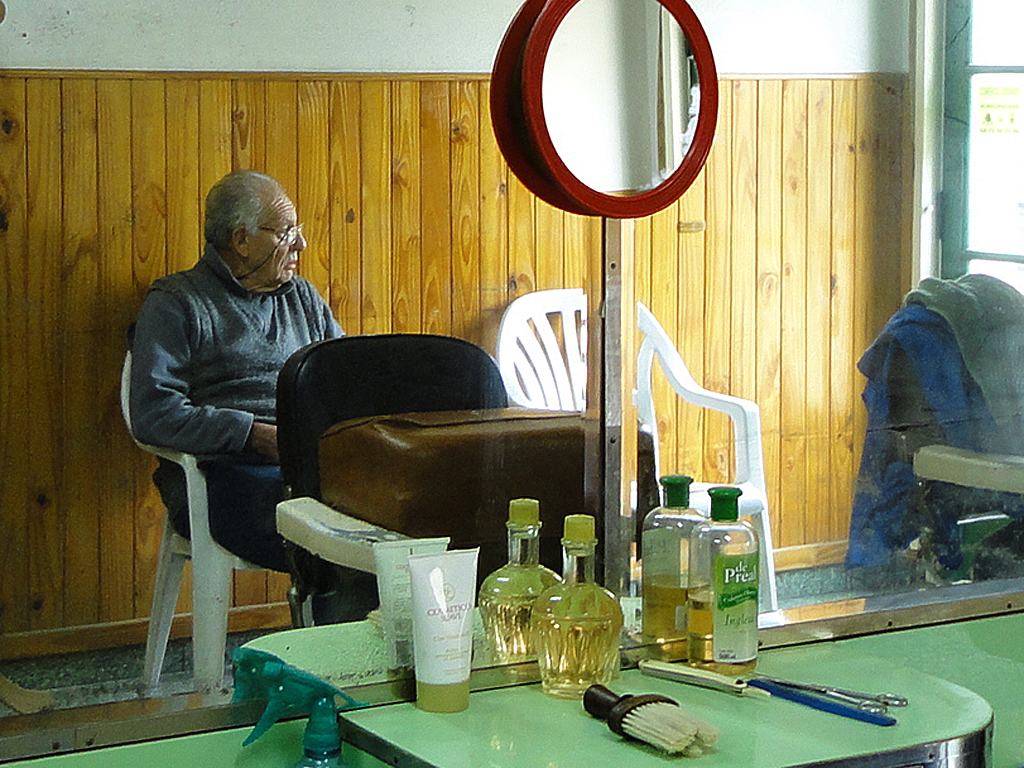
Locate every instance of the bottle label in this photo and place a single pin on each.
(735, 608)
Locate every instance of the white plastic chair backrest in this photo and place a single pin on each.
(745, 415)
(541, 368)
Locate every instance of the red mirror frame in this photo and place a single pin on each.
(517, 113)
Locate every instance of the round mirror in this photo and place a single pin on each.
(605, 107)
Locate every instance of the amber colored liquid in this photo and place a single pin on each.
(700, 629)
(506, 601)
(507, 626)
(575, 653)
(664, 611)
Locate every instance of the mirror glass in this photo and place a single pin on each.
(620, 94)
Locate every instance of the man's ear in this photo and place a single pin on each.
(240, 241)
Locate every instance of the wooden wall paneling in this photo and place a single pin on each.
(743, 231)
(14, 336)
(82, 331)
(346, 210)
(718, 296)
(464, 100)
(845, 394)
(794, 318)
(184, 197)
(689, 318)
(436, 206)
(550, 233)
(662, 297)
(642, 257)
(769, 289)
(581, 247)
(248, 124)
(128, 466)
(494, 265)
(376, 164)
(521, 240)
(818, 302)
(406, 195)
(46, 503)
(464, 208)
(149, 251)
(283, 147)
(313, 162)
(215, 131)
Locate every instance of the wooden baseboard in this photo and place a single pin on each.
(47, 642)
(810, 555)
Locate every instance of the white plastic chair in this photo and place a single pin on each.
(541, 368)
(746, 419)
(212, 567)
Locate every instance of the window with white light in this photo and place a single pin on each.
(983, 183)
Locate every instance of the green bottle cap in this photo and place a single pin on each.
(579, 528)
(522, 512)
(725, 502)
(677, 490)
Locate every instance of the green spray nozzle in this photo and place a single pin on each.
(289, 691)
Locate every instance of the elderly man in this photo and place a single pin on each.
(207, 349)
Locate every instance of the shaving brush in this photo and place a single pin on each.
(651, 718)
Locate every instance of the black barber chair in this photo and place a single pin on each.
(350, 378)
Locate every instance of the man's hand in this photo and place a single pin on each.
(263, 440)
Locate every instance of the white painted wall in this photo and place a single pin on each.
(748, 36)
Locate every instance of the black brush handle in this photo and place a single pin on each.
(598, 701)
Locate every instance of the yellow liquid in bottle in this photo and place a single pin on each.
(700, 631)
(506, 601)
(664, 610)
(578, 630)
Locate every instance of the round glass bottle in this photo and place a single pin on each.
(577, 624)
(507, 595)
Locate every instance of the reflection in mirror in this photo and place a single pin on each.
(620, 94)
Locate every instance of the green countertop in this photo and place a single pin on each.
(955, 675)
(512, 728)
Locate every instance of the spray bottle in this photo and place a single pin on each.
(291, 691)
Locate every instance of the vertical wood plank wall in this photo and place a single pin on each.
(773, 273)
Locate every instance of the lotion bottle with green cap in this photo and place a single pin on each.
(507, 595)
(665, 552)
(577, 624)
(722, 615)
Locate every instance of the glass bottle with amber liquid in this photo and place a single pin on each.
(507, 595)
(722, 615)
(577, 624)
(665, 552)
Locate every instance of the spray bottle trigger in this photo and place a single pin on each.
(287, 689)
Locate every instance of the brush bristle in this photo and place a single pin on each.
(670, 728)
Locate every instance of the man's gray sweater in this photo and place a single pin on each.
(207, 352)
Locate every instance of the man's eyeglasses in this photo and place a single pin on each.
(286, 237)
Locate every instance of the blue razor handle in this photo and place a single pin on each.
(835, 707)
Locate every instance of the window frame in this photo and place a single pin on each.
(955, 200)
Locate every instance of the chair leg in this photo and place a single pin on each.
(211, 597)
(767, 588)
(169, 568)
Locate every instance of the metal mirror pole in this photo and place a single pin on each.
(618, 426)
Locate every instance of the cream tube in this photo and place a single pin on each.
(391, 559)
(443, 595)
